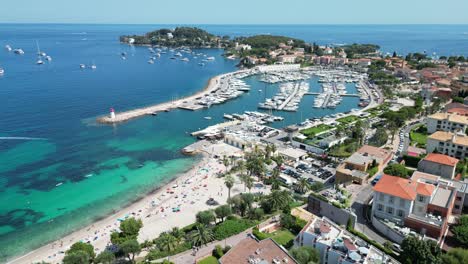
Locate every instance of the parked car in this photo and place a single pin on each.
(376, 179)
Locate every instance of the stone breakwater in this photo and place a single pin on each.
(189, 102)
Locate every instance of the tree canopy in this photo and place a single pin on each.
(418, 251)
(305, 255)
(129, 229)
(397, 170)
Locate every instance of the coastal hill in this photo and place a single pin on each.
(180, 36)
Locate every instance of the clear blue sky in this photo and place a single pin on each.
(236, 11)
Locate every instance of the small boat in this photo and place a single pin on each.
(210, 58)
(151, 61)
(123, 54)
(208, 117)
(82, 66)
(154, 114)
(48, 58)
(89, 175)
(173, 58)
(93, 66)
(201, 64)
(18, 51)
(39, 61)
(8, 47)
(124, 58)
(2, 71)
(184, 59)
(58, 184)
(178, 54)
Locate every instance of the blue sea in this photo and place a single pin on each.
(66, 170)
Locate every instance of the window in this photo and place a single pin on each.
(390, 210)
(381, 196)
(421, 198)
(400, 213)
(457, 207)
(402, 202)
(391, 199)
(379, 207)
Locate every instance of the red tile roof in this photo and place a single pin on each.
(459, 110)
(442, 159)
(425, 189)
(250, 249)
(396, 186)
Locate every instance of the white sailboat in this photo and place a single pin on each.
(93, 66)
(2, 71)
(39, 53)
(8, 47)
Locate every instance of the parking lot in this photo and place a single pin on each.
(311, 171)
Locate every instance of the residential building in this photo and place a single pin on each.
(450, 122)
(418, 204)
(354, 168)
(287, 58)
(336, 245)
(439, 164)
(250, 250)
(451, 144)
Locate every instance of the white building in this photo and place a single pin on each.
(336, 245)
(451, 144)
(449, 122)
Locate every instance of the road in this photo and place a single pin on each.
(362, 224)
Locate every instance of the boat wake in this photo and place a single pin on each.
(21, 138)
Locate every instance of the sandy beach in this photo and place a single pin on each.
(187, 192)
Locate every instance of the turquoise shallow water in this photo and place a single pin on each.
(58, 103)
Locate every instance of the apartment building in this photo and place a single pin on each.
(449, 122)
(336, 245)
(448, 143)
(419, 204)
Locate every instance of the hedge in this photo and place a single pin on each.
(232, 227)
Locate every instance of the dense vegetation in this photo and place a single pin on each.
(181, 36)
(356, 50)
(269, 41)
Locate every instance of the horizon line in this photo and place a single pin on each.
(239, 24)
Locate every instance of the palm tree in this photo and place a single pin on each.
(167, 242)
(202, 235)
(274, 179)
(229, 182)
(279, 199)
(249, 182)
(225, 162)
(178, 234)
(302, 185)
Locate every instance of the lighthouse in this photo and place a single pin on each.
(112, 113)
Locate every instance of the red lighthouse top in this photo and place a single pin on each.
(112, 109)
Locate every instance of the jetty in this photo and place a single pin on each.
(187, 103)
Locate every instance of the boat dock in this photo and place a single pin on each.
(349, 95)
(215, 128)
(290, 97)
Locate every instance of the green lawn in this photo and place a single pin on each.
(209, 260)
(311, 132)
(282, 237)
(348, 119)
(419, 138)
